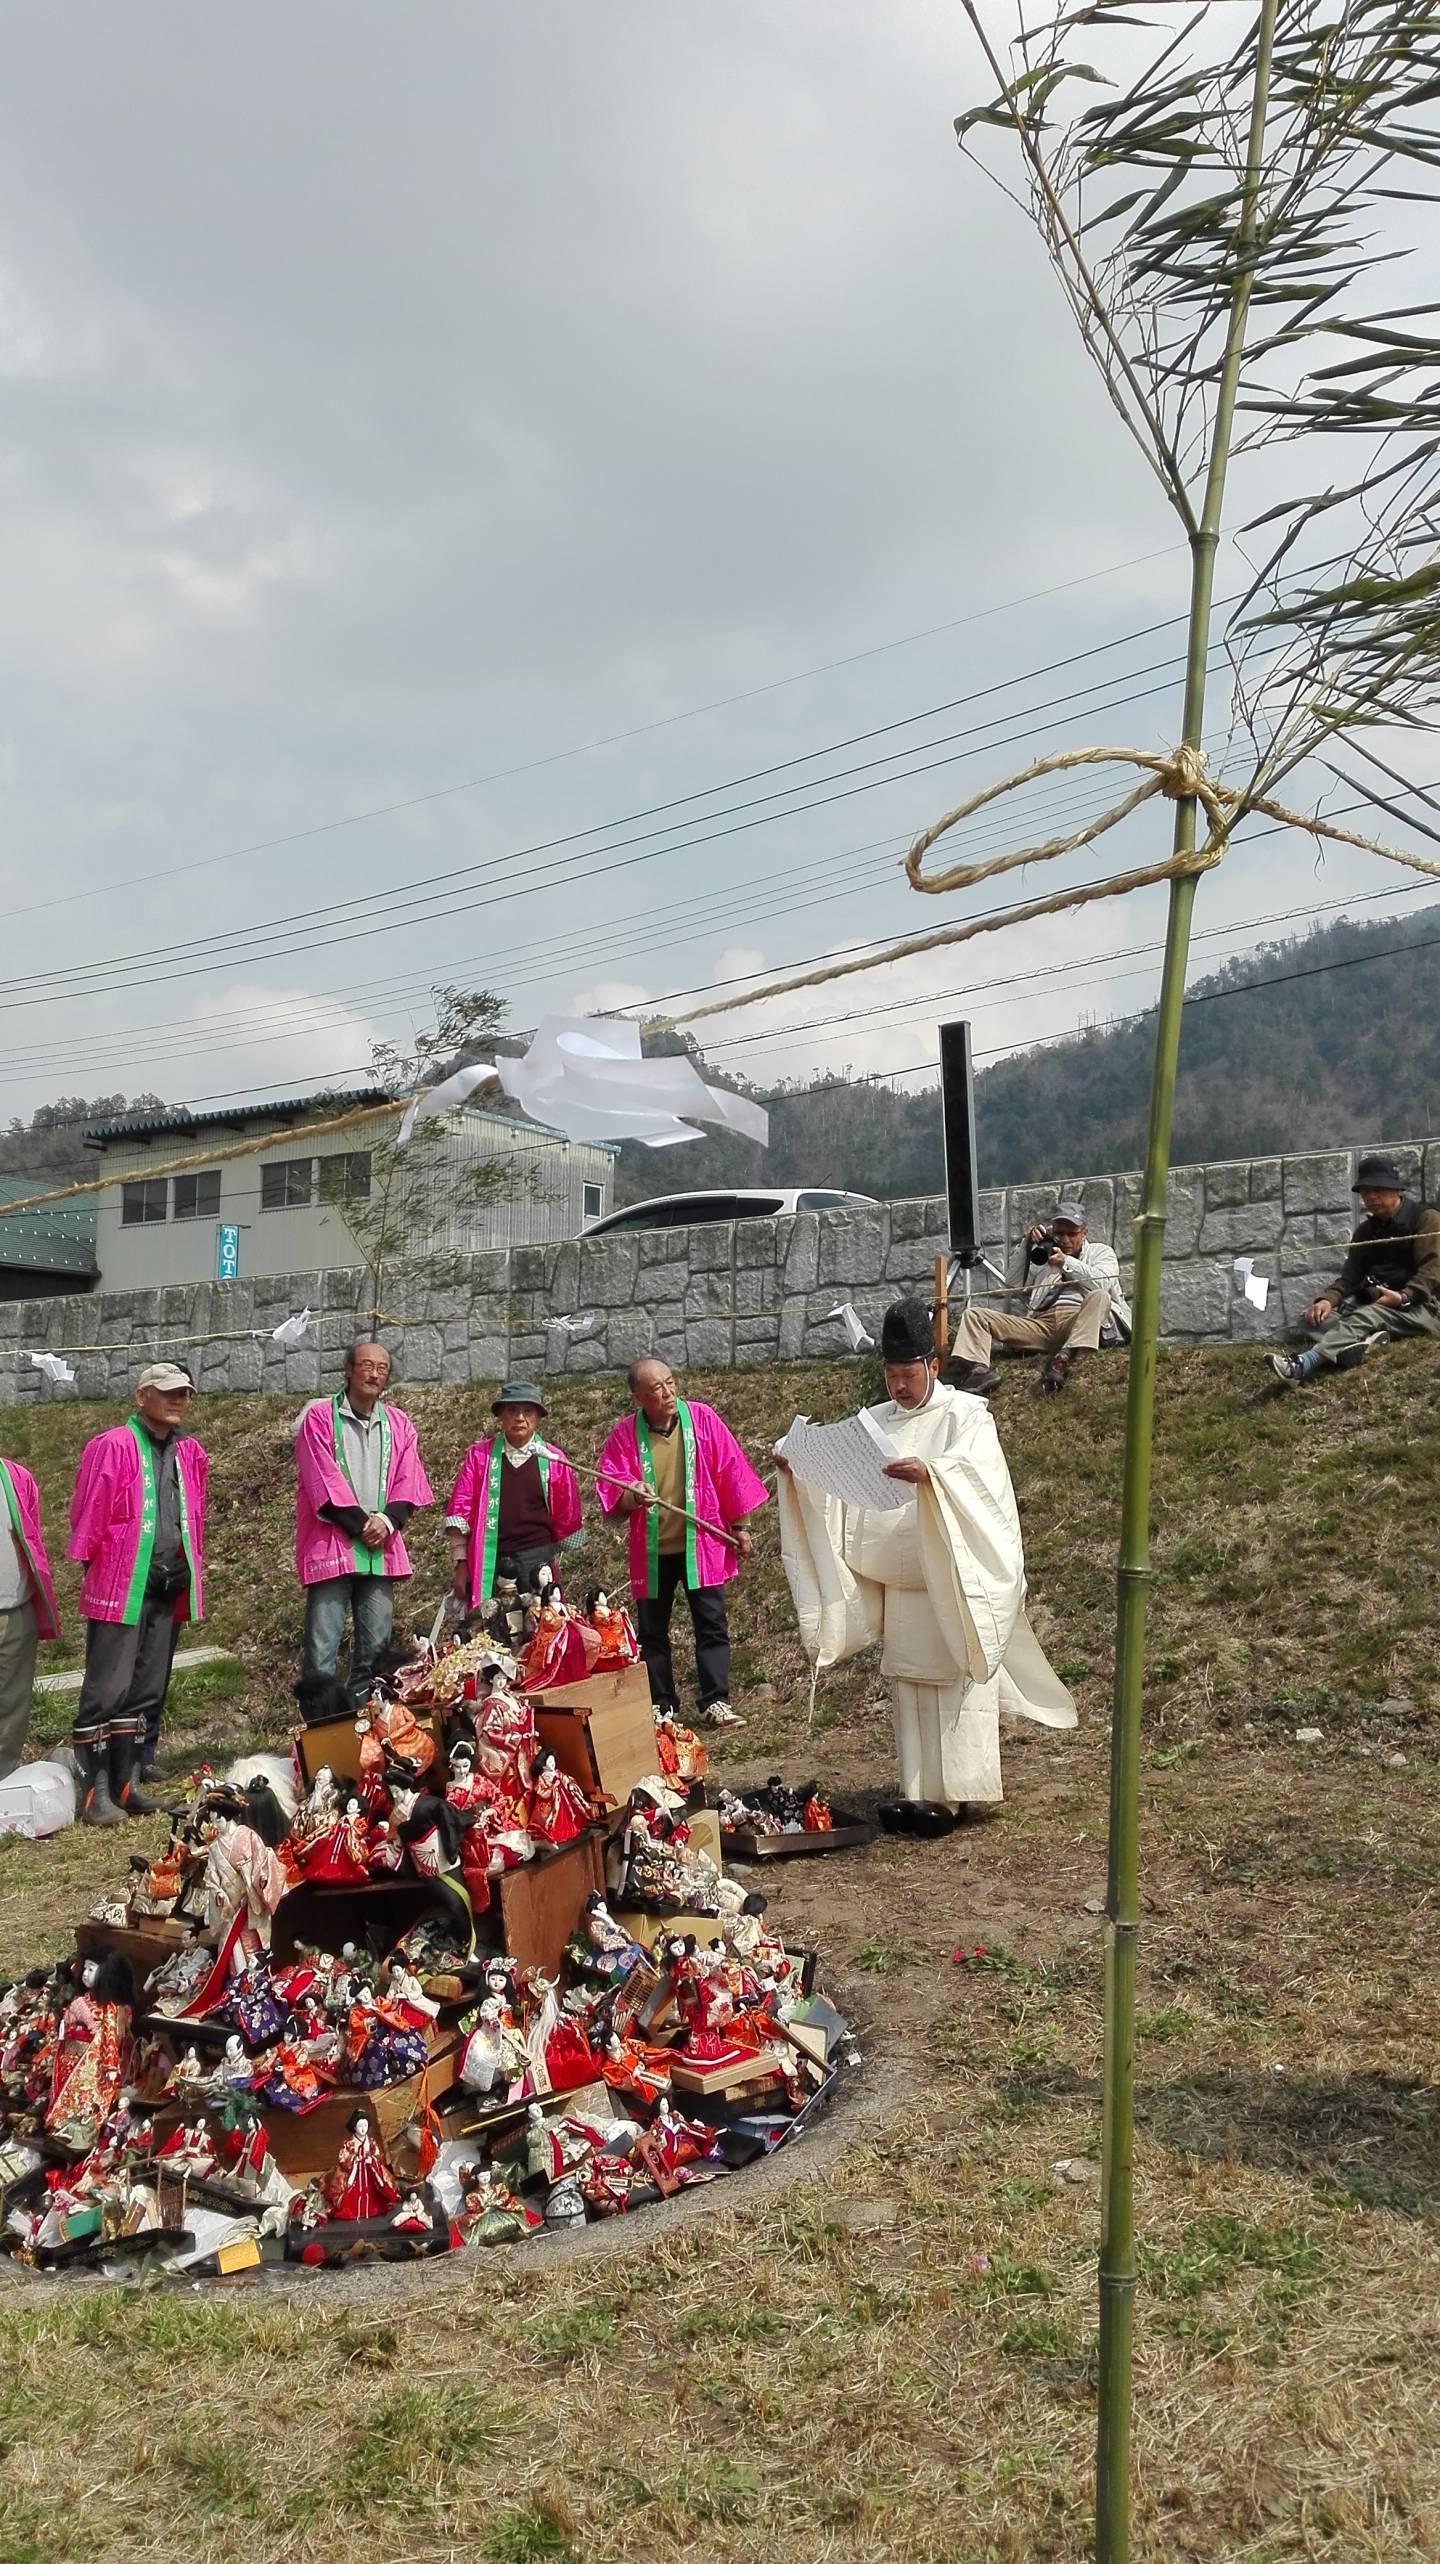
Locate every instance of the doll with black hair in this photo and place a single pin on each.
(362, 2183)
(92, 2050)
(614, 1629)
(431, 1836)
(557, 1809)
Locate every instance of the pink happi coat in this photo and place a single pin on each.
(470, 1500)
(105, 1521)
(726, 1488)
(322, 1550)
(32, 1542)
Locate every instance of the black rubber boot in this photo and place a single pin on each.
(97, 1807)
(125, 1790)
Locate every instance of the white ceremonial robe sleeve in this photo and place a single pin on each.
(974, 1562)
(838, 1613)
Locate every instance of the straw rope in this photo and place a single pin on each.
(211, 1157)
(1178, 776)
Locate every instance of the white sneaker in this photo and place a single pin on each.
(720, 1714)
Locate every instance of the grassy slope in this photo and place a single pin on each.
(894, 2358)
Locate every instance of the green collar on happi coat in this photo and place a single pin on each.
(149, 1515)
(368, 1562)
(493, 1481)
(686, 1423)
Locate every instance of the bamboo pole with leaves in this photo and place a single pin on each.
(1122, 1897)
(1163, 283)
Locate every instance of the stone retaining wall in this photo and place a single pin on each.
(724, 1297)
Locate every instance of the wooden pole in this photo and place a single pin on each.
(942, 1305)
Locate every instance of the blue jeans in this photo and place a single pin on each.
(371, 1601)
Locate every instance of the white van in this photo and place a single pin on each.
(684, 1210)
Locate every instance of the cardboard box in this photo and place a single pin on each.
(649, 1928)
(601, 1731)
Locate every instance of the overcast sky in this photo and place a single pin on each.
(399, 399)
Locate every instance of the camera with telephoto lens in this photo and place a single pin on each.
(1039, 1250)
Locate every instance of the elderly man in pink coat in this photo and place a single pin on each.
(360, 1480)
(137, 1523)
(27, 1606)
(516, 1502)
(688, 1489)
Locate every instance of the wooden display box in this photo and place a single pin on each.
(146, 1943)
(306, 2142)
(601, 1731)
(336, 1742)
(325, 1918)
(541, 1902)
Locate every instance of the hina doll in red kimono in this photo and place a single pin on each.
(564, 1649)
(556, 1809)
(362, 2183)
(476, 1802)
(678, 1750)
(614, 1629)
(92, 2049)
(505, 1746)
(295, 2080)
(391, 1737)
(629, 2067)
(676, 2142)
(340, 1857)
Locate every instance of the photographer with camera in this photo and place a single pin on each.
(1076, 1304)
(1388, 1285)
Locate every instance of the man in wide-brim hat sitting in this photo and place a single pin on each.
(939, 1581)
(516, 1498)
(1388, 1285)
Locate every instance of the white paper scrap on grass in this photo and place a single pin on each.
(846, 1460)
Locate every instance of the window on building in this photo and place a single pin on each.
(592, 1201)
(142, 1204)
(197, 1197)
(287, 1185)
(345, 1177)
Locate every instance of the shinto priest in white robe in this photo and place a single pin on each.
(940, 1584)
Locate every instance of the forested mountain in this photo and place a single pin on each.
(53, 1140)
(1315, 1061)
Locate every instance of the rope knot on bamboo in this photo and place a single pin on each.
(1176, 774)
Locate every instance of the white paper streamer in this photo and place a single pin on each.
(53, 1368)
(585, 1075)
(569, 1326)
(857, 1334)
(444, 1098)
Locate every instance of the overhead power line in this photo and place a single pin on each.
(415, 890)
(589, 747)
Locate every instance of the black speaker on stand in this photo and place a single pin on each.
(962, 1179)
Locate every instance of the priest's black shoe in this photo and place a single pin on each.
(922, 1817)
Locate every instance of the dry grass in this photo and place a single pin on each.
(893, 2357)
